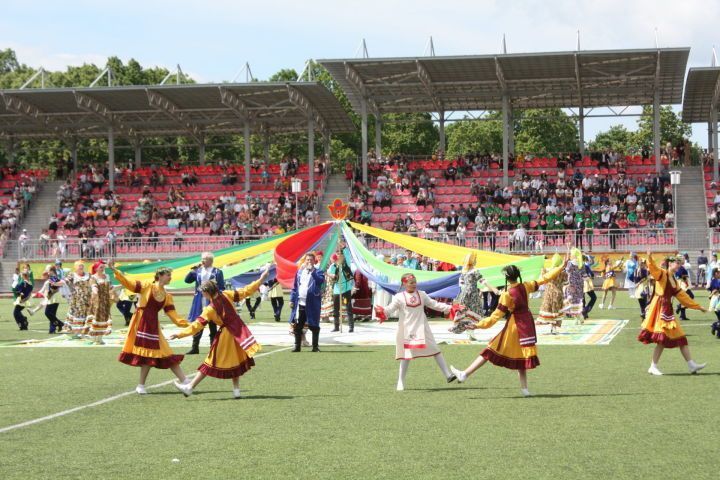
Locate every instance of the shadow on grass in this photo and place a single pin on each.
(446, 389)
(254, 397)
(566, 395)
(705, 374)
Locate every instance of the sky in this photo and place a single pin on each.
(213, 39)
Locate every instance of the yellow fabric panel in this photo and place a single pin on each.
(437, 250)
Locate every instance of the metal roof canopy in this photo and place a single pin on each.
(576, 79)
(529, 80)
(168, 110)
(701, 104)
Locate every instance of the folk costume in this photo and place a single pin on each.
(23, 288)
(99, 320)
(305, 298)
(552, 304)
(414, 338)
(145, 343)
(79, 307)
(660, 325)
(198, 276)
(50, 291)
(231, 352)
(574, 290)
(362, 298)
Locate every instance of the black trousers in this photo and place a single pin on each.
(337, 299)
(51, 315)
(642, 301)
(20, 319)
(588, 306)
(490, 302)
(125, 307)
(277, 306)
(251, 308)
(300, 322)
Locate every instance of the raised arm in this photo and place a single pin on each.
(172, 314)
(191, 276)
(134, 286)
(434, 304)
(241, 293)
(505, 305)
(197, 326)
(688, 302)
(656, 272)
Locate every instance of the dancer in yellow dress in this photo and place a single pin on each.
(514, 347)
(234, 346)
(145, 345)
(660, 325)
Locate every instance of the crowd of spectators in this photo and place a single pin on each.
(17, 193)
(562, 199)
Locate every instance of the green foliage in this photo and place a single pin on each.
(284, 75)
(672, 128)
(409, 133)
(617, 138)
(475, 136)
(545, 131)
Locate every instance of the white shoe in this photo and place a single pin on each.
(610, 307)
(525, 392)
(140, 390)
(236, 393)
(696, 367)
(600, 306)
(400, 387)
(653, 370)
(461, 376)
(184, 388)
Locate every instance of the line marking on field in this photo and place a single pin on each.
(107, 400)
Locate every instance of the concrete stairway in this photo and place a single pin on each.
(691, 221)
(36, 218)
(337, 187)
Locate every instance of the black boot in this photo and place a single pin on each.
(195, 346)
(127, 320)
(298, 340)
(315, 339)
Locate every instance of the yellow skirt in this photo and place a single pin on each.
(661, 326)
(135, 356)
(609, 283)
(505, 350)
(226, 358)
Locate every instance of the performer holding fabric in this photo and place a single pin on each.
(79, 283)
(362, 297)
(50, 292)
(199, 274)
(99, 321)
(660, 326)
(234, 346)
(588, 286)
(552, 304)
(630, 266)
(514, 347)
(414, 339)
(305, 302)
(145, 345)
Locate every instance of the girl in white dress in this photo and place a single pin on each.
(414, 338)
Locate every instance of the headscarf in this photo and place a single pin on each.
(576, 256)
(469, 261)
(556, 261)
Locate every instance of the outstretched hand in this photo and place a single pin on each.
(173, 336)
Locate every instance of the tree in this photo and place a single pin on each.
(546, 131)
(8, 61)
(284, 75)
(408, 133)
(475, 136)
(617, 138)
(672, 128)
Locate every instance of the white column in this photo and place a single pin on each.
(581, 131)
(246, 136)
(364, 139)
(138, 153)
(201, 149)
(73, 155)
(506, 108)
(441, 130)
(111, 158)
(656, 130)
(311, 154)
(714, 122)
(378, 136)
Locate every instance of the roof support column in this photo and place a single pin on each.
(511, 132)
(364, 139)
(138, 153)
(111, 159)
(311, 154)
(246, 136)
(326, 149)
(714, 143)
(656, 130)
(506, 135)
(74, 156)
(441, 131)
(201, 148)
(581, 131)
(378, 136)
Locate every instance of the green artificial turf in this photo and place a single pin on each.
(596, 413)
